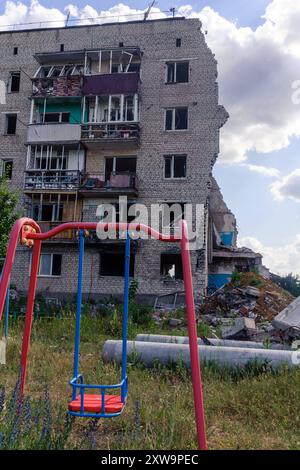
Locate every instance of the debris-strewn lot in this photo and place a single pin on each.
(250, 409)
(251, 297)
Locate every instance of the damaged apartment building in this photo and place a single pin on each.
(224, 256)
(98, 111)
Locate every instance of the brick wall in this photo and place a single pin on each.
(157, 41)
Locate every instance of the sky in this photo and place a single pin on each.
(257, 46)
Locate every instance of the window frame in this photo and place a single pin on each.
(175, 224)
(172, 177)
(11, 75)
(5, 161)
(131, 267)
(7, 115)
(175, 63)
(174, 118)
(51, 265)
(179, 261)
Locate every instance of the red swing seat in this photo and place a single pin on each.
(92, 403)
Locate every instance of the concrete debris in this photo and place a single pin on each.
(241, 330)
(175, 322)
(245, 308)
(289, 318)
(3, 351)
(252, 291)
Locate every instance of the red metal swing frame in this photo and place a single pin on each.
(28, 233)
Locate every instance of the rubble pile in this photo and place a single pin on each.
(246, 308)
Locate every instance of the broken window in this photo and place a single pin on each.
(50, 264)
(11, 124)
(128, 108)
(178, 42)
(171, 266)
(113, 264)
(48, 157)
(118, 165)
(115, 108)
(47, 212)
(172, 213)
(176, 119)
(6, 169)
(16, 50)
(175, 166)
(14, 82)
(134, 67)
(43, 72)
(55, 117)
(177, 72)
(112, 108)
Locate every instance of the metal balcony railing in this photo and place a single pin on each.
(67, 180)
(116, 181)
(116, 131)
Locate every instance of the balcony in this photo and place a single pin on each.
(124, 134)
(53, 133)
(52, 180)
(112, 83)
(57, 86)
(116, 184)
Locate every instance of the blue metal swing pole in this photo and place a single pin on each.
(78, 310)
(125, 320)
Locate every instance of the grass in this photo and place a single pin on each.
(254, 409)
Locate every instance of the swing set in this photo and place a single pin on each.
(105, 403)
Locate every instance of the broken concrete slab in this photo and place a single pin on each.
(240, 329)
(289, 317)
(175, 322)
(252, 291)
(3, 351)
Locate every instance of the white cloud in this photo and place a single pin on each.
(19, 13)
(279, 259)
(262, 170)
(256, 67)
(256, 72)
(287, 187)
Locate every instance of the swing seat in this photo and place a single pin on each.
(92, 403)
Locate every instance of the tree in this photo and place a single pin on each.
(8, 213)
(290, 283)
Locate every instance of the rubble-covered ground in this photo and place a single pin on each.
(249, 293)
(248, 296)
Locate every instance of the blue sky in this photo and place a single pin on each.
(257, 45)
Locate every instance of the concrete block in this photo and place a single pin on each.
(289, 317)
(3, 351)
(240, 329)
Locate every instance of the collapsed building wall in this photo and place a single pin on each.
(224, 255)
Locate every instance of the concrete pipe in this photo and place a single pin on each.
(213, 341)
(166, 353)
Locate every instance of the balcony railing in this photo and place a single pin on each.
(116, 131)
(67, 180)
(53, 132)
(115, 182)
